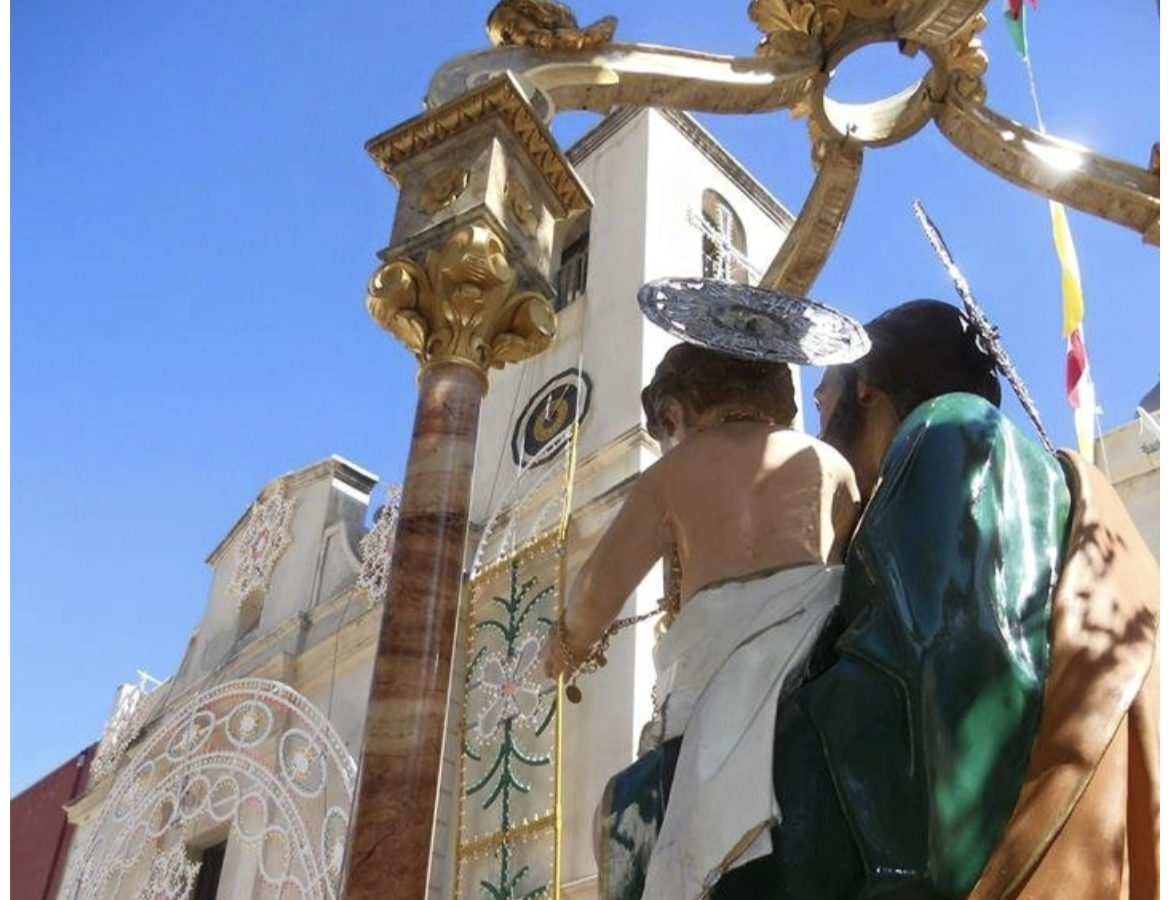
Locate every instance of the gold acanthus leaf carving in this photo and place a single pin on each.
(529, 331)
(461, 306)
(545, 25)
(394, 293)
(444, 189)
(967, 62)
(791, 26)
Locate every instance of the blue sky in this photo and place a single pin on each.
(194, 220)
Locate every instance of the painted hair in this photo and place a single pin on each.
(701, 379)
(918, 350)
(925, 348)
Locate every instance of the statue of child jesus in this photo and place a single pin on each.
(758, 516)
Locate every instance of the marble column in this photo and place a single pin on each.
(390, 848)
(465, 287)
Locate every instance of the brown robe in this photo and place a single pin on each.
(1086, 823)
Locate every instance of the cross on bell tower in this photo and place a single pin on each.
(724, 243)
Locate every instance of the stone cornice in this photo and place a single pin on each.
(79, 810)
(502, 99)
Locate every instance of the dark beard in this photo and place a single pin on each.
(844, 430)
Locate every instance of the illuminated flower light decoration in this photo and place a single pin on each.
(376, 549)
(266, 537)
(511, 694)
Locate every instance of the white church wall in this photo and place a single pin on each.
(292, 584)
(1141, 496)
(598, 732)
(616, 266)
(335, 673)
(600, 330)
(343, 528)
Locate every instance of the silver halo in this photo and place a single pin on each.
(753, 323)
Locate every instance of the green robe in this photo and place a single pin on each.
(899, 760)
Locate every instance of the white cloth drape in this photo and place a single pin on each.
(720, 670)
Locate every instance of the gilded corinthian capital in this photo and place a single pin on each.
(461, 307)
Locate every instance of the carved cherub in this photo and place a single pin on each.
(545, 25)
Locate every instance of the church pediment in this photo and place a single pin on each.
(297, 545)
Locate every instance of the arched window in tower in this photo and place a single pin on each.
(724, 242)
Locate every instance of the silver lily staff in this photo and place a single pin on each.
(987, 331)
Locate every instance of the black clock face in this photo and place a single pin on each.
(545, 425)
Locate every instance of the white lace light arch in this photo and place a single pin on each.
(253, 753)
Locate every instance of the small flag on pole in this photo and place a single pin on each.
(1015, 22)
(1081, 391)
(1072, 304)
(1079, 385)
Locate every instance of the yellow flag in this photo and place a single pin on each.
(1072, 307)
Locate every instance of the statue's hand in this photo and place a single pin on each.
(564, 655)
(553, 663)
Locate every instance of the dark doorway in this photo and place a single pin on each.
(212, 861)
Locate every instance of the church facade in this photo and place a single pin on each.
(234, 778)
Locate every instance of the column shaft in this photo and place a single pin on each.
(401, 764)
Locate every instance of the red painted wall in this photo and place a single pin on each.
(40, 832)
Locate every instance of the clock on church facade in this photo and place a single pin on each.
(545, 425)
